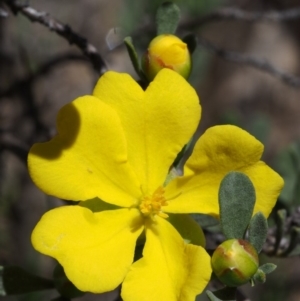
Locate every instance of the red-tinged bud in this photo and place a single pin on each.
(166, 51)
(234, 262)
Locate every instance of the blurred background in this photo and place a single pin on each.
(40, 72)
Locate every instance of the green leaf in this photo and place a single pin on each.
(224, 294)
(258, 230)
(167, 18)
(236, 200)
(259, 276)
(294, 241)
(288, 165)
(268, 268)
(188, 229)
(280, 219)
(184, 154)
(204, 220)
(15, 280)
(64, 286)
(133, 56)
(191, 41)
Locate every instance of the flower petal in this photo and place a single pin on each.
(220, 150)
(88, 157)
(95, 249)
(157, 123)
(169, 270)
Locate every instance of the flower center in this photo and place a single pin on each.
(151, 205)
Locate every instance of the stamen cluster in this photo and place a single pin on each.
(151, 205)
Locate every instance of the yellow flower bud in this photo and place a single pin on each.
(166, 51)
(234, 262)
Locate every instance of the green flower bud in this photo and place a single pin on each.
(234, 262)
(166, 51)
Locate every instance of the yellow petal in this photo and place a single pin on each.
(169, 269)
(157, 123)
(220, 150)
(88, 157)
(95, 249)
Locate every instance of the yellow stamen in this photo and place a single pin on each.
(151, 206)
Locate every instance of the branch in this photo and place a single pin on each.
(14, 146)
(284, 244)
(61, 29)
(236, 14)
(3, 13)
(44, 69)
(259, 63)
(23, 88)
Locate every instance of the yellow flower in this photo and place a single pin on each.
(118, 146)
(166, 51)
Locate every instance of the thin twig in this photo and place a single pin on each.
(234, 13)
(61, 29)
(259, 63)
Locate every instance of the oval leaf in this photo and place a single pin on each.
(268, 268)
(236, 200)
(167, 18)
(258, 231)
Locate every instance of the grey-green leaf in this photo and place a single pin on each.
(15, 280)
(294, 241)
(280, 219)
(167, 18)
(133, 55)
(259, 276)
(258, 230)
(236, 200)
(268, 268)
